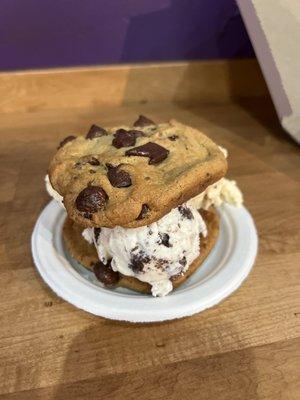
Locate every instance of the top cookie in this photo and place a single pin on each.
(133, 176)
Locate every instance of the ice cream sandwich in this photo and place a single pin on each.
(141, 201)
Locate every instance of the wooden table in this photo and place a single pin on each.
(248, 347)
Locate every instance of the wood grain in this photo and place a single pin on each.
(245, 348)
(268, 372)
(96, 87)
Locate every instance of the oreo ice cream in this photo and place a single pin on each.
(155, 253)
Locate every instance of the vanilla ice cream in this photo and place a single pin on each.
(53, 193)
(153, 253)
(224, 190)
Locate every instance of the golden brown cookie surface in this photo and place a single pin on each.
(77, 246)
(86, 254)
(133, 176)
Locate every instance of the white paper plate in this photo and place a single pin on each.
(222, 273)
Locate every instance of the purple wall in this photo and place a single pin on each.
(50, 33)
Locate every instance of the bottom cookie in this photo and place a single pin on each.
(86, 253)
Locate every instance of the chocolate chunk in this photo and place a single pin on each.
(91, 199)
(138, 261)
(97, 233)
(87, 215)
(117, 177)
(183, 261)
(95, 132)
(154, 151)
(105, 273)
(94, 161)
(123, 138)
(144, 211)
(173, 137)
(66, 140)
(164, 239)
(185, 212)
(143, 121)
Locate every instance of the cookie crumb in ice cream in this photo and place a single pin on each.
(185, 212)
(96, 233)
(138, 261)
(164, 239)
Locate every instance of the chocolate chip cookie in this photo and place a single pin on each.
(132, 177)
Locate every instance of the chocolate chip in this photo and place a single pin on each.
(92, 171)
(91, 199)
(95, 132)
(138, 261)
(173, 137)
(117, 177)
(164, 239)
(97, 233)
(87, 215)
(105, 273)
(94, 161)
(154, 151)
(185, 212)
(183, 261)
(144, 211)
(143, 121)
(66, 140)
(123, 138)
